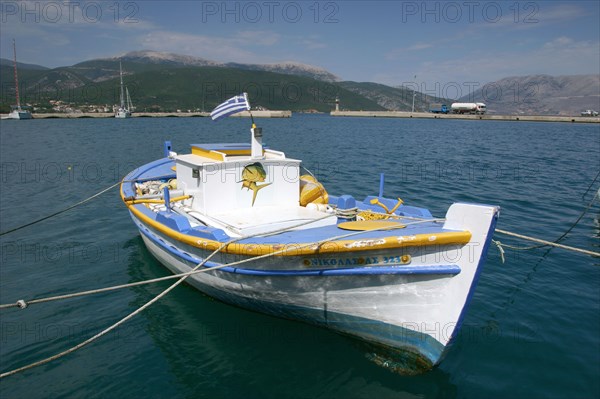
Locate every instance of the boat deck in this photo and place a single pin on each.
(298, 225)
(243, 222)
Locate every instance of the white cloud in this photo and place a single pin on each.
(237, 48)
(256, 38)
(312, 43)
(396, 53)
(558, 43)
(419, 46)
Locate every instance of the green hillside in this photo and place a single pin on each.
(205, 87)
(169, 88)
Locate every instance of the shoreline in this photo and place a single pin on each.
(359, 114)
(429, 115)
(82, 115)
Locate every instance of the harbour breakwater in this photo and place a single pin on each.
(429, 115)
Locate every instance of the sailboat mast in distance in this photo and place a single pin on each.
(16, 75)
(17, 112)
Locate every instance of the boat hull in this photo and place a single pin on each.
(409, 313)
(417, 351)
(19, 115)
(122, 114)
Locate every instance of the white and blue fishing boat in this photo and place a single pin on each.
(273, 240)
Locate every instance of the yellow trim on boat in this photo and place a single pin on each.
(298, 249)
(363, 225)
(218, 155)
(156, 201)
(341, 246)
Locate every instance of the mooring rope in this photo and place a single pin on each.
(21, 303)
(115, 325)
(61, 211)
(544, 243)
(590, 186)
(73, 206)
(184, 276)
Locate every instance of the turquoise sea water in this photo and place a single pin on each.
(533, 329)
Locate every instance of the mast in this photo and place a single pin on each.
(16, 75)
(256, 147)
(122, 94)
(129, 103)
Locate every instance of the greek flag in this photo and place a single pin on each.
(232, 106)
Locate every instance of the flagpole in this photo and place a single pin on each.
(256, 148)
(237, 104)
(249, 110)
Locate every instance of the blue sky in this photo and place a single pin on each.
(439, 45)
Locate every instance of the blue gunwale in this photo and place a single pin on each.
(447, 269)
(159, 169)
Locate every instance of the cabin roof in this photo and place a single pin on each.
(223, 152)
(223, 147)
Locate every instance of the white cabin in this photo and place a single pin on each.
(243, 194)
(214, 174)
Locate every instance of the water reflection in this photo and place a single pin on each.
(219, 350)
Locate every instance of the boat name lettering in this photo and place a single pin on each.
(396, 259)
(341, 261)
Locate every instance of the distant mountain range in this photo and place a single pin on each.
(170, 82)
(5, 62)
(540, 95)
(167, 82)
(148, 57)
